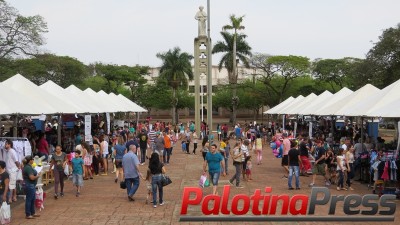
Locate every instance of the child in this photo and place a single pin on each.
(248, 168)
(148, 186)
(77, 172)
(184, 146)
(87, 159)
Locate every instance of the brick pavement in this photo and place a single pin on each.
(103, 202)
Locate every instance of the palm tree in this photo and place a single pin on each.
(235, 47)
(175, 67)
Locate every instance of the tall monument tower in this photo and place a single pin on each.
(200, 67)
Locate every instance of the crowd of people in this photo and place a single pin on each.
(143, 152)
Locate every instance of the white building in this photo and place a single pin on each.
(218, 77)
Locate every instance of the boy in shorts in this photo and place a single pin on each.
(77, 172)
(320, 165)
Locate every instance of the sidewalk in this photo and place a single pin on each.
(103, 202)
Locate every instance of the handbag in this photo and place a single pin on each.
(66, 170)
(203, 179)
(5, 213)
(165, 180)
(122, 185)
(19, 175)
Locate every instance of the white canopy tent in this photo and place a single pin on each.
(283, 110)
(279, 106)
(86, 99)
(61, 93)
(375, 102)
(42, 101)
(117, 103)
(105, 105)
(132, 106)
(339, 107)
(312, 106)
(338, 96)
(390, 109)
(14, 102)
(295, 108)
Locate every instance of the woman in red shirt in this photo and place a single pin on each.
(43, 146)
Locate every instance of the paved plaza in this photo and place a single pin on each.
(103, 202)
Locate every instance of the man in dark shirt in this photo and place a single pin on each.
(294, 162)
(143, 141)
(132, 141)
(320, 166)
(303, 148)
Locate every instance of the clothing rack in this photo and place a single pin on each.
(26, 149)
(384, 186)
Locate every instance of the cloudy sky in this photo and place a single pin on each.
(133, 31)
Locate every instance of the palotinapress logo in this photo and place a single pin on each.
(263, 206)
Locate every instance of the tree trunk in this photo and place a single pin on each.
(234, 104)
(174, 104)
(234, 76)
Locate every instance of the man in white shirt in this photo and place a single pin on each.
(12, 168)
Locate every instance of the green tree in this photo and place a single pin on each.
(176, 69)
(62, 70)
(253, 97)
(19, 35)
(385, 56)
(243, 51)
(286, 67)
(235, 25)
(117, 76)
(333, 71)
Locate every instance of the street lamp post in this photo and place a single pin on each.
(209, 75)
(202, 95)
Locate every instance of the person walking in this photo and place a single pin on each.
(294, 162)
(215, 161)
(238, 159)
(30, 177)
(219, 132)
(143, 142)
(320, 166)
(305, 162)
(87, 160)
(195, 140)
(245, 149)
(350, 168)
(12, 167)
(132, 175)
(77, 172)
(205, 147)
(258, 148)
(341, 169)
(156, 169)
(4, 181)
(167, 148)
(119, 151)
(104, 153)
(286, 148)
(58, 161)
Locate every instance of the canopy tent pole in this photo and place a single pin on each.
(362, 131)
(295, 126)
(398, 139)
(59, 127)
(137, 119)
(15, 127)
(283, 122)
